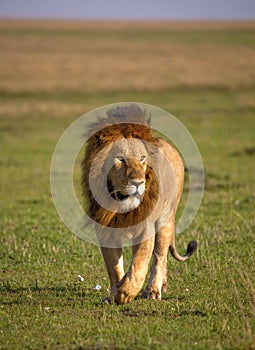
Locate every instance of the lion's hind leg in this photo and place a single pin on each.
(157, 283)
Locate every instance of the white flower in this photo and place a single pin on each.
(81, 279)
(97, 287)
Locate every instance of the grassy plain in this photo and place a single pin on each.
(53, 72)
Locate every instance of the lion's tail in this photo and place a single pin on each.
(192, 246)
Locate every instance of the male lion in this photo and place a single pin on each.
(132, 182)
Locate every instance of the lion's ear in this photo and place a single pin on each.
(150, 148)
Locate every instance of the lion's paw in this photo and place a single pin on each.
(123, 297)
(151, 294)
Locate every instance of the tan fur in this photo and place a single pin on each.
(131, 161)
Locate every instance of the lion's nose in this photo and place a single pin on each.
(136, 183)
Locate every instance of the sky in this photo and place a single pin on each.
(131, 9)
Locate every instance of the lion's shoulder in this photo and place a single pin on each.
(174, 159)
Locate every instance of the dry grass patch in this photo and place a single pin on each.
(48, 60)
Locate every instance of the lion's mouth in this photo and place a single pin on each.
(122, 197)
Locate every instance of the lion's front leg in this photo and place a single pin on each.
(113, 259)
(130, 285)
(158, 275)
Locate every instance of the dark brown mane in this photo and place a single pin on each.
(122, 122)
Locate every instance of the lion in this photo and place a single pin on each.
(132, 182)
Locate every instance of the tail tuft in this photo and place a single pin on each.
(192, 247)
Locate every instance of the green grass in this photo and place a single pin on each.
(210, 302)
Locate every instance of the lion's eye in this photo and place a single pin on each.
(143, 159)
(120, 159)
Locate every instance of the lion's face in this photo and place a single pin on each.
(126, 177)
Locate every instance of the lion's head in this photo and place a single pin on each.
(117, 179)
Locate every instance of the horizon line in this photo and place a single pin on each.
(130, 19)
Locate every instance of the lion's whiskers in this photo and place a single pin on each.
(113, 192)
